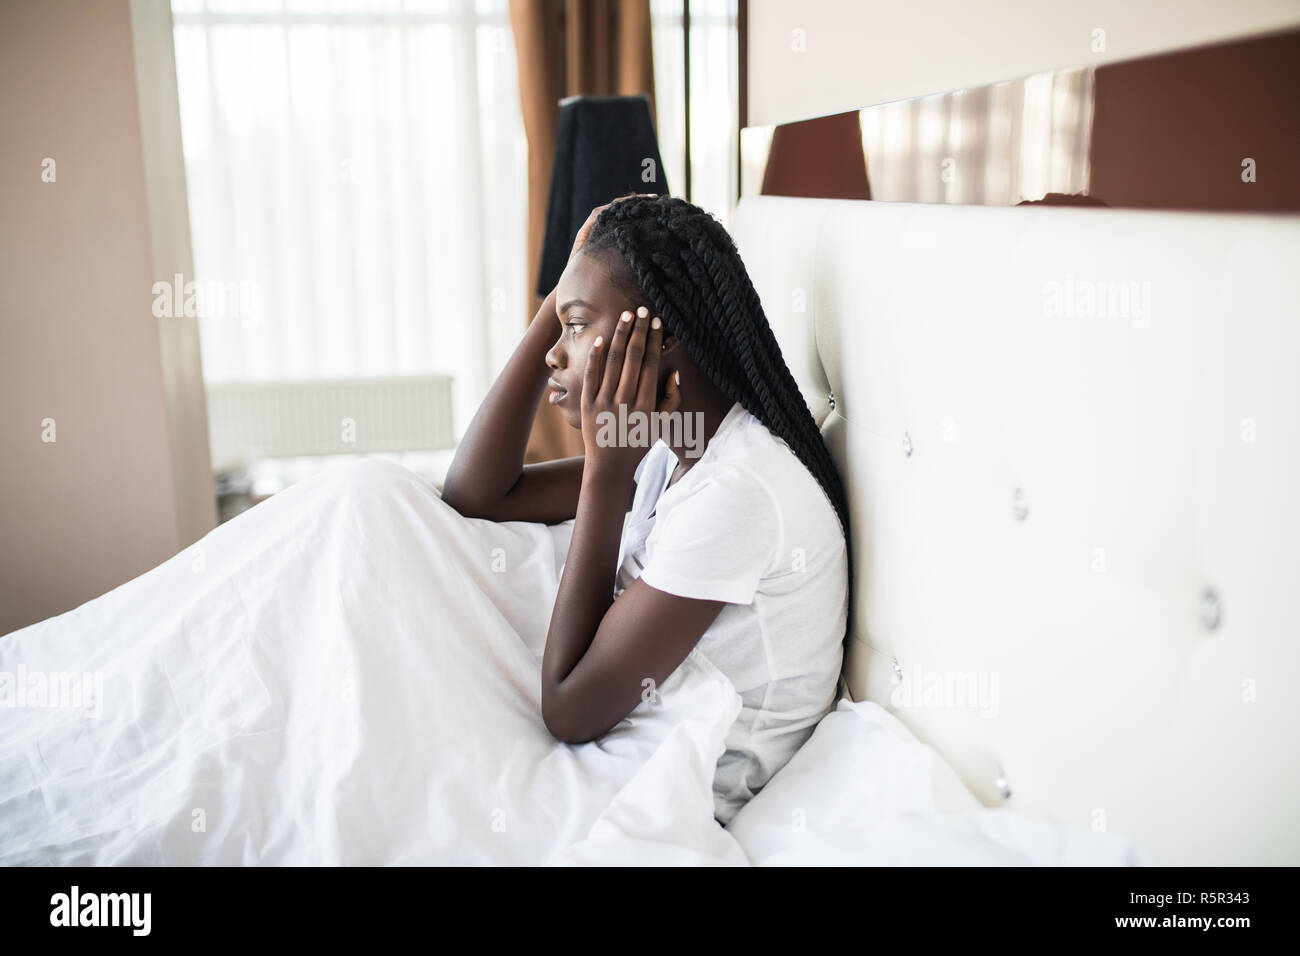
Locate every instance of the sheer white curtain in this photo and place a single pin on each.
(714, 100)
(358, 167)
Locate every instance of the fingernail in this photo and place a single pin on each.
(642, 311)
(655, 323)
(596, 344)
(677, 377)
(625, 317)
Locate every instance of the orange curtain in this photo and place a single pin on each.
(566, 48)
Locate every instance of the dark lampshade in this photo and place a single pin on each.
(605, 147)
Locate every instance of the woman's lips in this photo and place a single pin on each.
(558, 393)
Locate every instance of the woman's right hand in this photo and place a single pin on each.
(585, 229)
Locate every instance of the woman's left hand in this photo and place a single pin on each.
(585, 229)
(620, 394)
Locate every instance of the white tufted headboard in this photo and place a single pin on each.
(1076, 527)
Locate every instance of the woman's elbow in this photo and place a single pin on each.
(561, 723)
(558, 729)
(462, 503)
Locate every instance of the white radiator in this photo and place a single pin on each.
(249, 421)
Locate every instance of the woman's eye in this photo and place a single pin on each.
(575, 328)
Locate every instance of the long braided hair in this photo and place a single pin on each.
(686, 265)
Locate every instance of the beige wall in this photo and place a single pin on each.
(861, 52)
(78, 341)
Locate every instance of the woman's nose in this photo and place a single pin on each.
(552, 356)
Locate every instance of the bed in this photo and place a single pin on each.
(1071, 643)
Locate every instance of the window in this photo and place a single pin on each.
(358, 169)
(714, 98)
(357, 175)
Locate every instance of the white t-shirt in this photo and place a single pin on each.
(748, 524)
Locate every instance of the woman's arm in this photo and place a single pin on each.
(488, 477)
(603, 655)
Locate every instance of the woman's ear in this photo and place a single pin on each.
(668, 344)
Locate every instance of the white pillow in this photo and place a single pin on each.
(864, 791)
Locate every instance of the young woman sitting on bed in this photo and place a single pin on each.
(740, 549)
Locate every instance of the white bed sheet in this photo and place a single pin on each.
(863, 791)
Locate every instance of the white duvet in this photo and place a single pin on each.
(348, 673)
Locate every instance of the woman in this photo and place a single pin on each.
(736, 541)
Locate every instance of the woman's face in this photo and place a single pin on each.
(588, 305)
